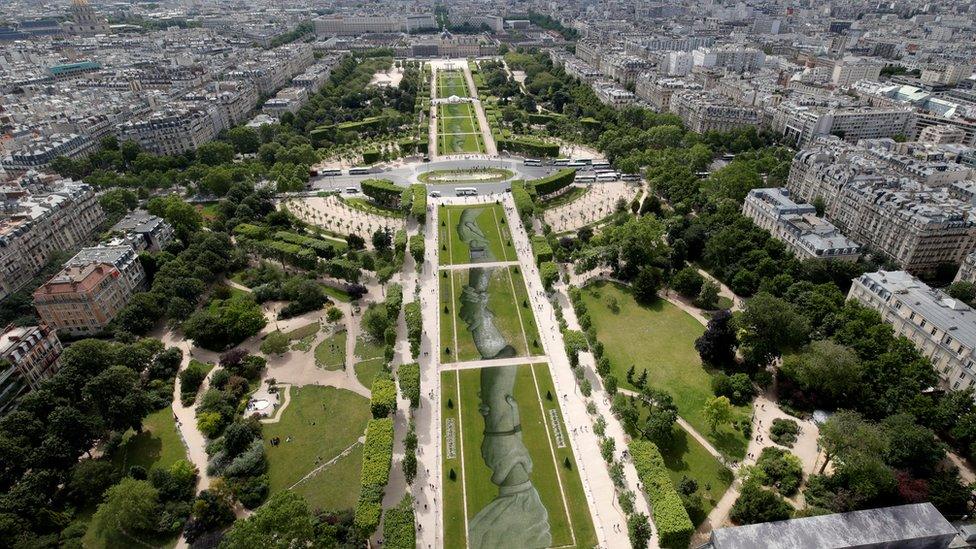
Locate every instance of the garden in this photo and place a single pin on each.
(487, 224)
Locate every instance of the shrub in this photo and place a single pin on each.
(555, 182)
(377, 459)
(417, 249)
(784, 432)
(190, 380)
(415, 328)
(756, 504)
(738, 388)
(549, 273)
(781, 469)
(409, 377)
(399, 529)
(670, 516)
(383, 399)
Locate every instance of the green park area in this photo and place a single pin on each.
(457, 129)
(491, 226)
(475, 175)
(451, 82)
(369, 359)
(660, 338)
(311, 443)
(330, 353)
(158, 445)
(554, 474)
(496, 301)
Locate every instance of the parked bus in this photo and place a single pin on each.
(585, 161)
(585, 178)
(466, 191)
(702, 175)
(330, 172)
(601, 165)
(532, 162)
(610, 176)
(630, 177)
(728, 156)
(560, 162)
(360, 171)
(579, 165)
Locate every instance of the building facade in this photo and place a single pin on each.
(28, 356)
(797, 226)
(704, 112)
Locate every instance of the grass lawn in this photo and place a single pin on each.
(660, 338)
(158, 445)
(569, 521)
(515, 321)
(366, 348)
(367, 370)
(574, 193)
(321, 422)
(492, 223)
(336, 293)
(336, 487)
(301, 332)
(686, 457)
(460, 143)
(331, 352)
(451, 83)
(482, 175)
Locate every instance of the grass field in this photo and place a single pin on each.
(574, 193)
(569, 517)
(661, 338)
(331, 352)
(492, 223)
(457, 130)
(321, 422)
(451, 83)
(508, 303)
(158, 445)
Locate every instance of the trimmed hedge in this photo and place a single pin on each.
(409, 377)
(523, 200)
(342, 269)
(382, 400)
(377, 460)
(541, 249)
(371, 156)
(549, 273)
(322, 248)
(418, 207)
(417, 248)
(528, 146)
(415, 327)
(555, 182)
(383, 191)
(394, 301)
(248, 230)
(674, 527)
(399, 526)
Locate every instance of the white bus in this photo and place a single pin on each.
(608, 176)
(560, 162)
(585, 161)
(330, 172)
(630, 177)
(601, 165)
(360, 171)
(466, 191)
(585, 178)
(532, 162)
(575, 164)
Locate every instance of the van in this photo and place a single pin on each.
(352, 190)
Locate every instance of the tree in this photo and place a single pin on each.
(376, 321)
(708, 296)
(89, 480)
(215, 152)
(225, 323)
(717, 412)
(639, 530)
(184, 218)
(717, 345)
(911, 446)
(382, 239)
(688, 282)
(756, 504)
(830, 371)
(130, 507)
(646, 284)
(355, 242)
(275, 343)
(244, 139)
(768, 325)
(118, 397)
(847, 434)
(284, 521)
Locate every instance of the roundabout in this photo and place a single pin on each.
(469, 175)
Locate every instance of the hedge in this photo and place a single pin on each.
(294, 254)
(523, 200)
(674, 527)
(383, 191)
(528, 146)
(382, 401)
(409, 377)
(394, 301)
(371, 156)
(415, 328)
(543, 119)
(377, 460)
(555, 182)
(541, 249)
(575, 342)
(549, 273)
(248, 230)
(399, 526)
(343, 269)
(417, 249)
(418, 207)
(322, 248)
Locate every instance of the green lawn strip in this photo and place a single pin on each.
(685, 456)
(447, 319)
(321, 422)
(336, 487)
(478, 486)
(466, 349)
(331, 352)
(302, 332)
(158, 445)
(528, 318)
(571, 195)
(506, 309)
(453, 490)
(457, 252)
(336, 293)
(368, 207)
(482, 175)
(366, 348)
(367, 370)
(660, 338)
(579, 510)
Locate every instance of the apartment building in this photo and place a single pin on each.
(34, 226)
(705, 112)
(941, 327)
(87, 294)
(801, 124)
(28, 356)
(849, 70)
(352, 25)
(921, 228)
(37, 152)
(731, 58)
(143, 231)
(967, 271)
(797, 226)
(174, 130)
(658, 91)
(287, 100)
